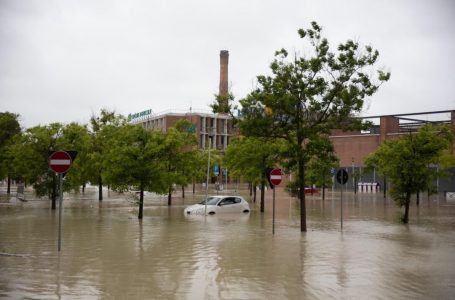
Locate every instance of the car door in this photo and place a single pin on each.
(227, 205)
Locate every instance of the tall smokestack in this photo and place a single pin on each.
(224, 61)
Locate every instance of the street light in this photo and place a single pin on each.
(208, 174)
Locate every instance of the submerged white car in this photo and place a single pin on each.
(219, 204)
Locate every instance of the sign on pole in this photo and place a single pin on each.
(276, 177)
(60, 162)
(342, 178)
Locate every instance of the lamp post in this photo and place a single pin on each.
(208, 175)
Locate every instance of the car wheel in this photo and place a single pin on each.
(211, 213)
(246, 211)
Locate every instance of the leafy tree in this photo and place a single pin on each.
(77, 138)
(103, 128)
(30, 158)
(179, 147)
(9, 128)
(222, 104)
(309, 95)
(407, 162)
(135, 160)
(249, 157)
(196, 167)
(319, 165)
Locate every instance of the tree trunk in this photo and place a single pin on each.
(355, 185)
(141, 203)
(385, 187)
(254, 193)
(301, 185)
(8, 189)
(169, 196)
(100, 188)
(183, 191)
(406, 208)
(194, 187)
(54, 192)
(323, 190)
(262, 196)
(418, 198)
(83, 188)
(250, 185)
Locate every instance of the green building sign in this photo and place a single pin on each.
(139, 115)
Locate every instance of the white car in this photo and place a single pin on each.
(219, 204)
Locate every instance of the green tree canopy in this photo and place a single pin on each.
(103, 128)
(75, 137)
(409, 162)
(134, 160)
(248, 157)
(179, 149)
(30, 155)
(310, 94)
(9, 129)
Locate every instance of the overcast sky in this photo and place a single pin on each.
(64, 60)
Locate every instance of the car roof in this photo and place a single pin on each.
(224, 196)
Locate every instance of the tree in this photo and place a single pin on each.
(102, 130)
(223, 104)
(134, 160)
(249, 157)
(320, 165)
(9, 128)
(179, 147)
(77, 138)
(30, 158)
(407, 162)
(310, 95)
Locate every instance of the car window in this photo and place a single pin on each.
(237, 200)
(211, 201)
(227, 201)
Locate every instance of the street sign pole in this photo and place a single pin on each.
(341, 208)
(273, 222)
(60, 162)
(275, 177)
(60, 208)
(342, 178)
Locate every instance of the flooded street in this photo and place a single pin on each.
(107, 253)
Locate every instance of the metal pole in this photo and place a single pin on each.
(208, 174)
(341, 208)
(273, 211)
(226, 178)
(60, 178)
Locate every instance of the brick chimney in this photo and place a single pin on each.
(224, 61)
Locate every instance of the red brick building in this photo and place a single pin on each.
(352, 148)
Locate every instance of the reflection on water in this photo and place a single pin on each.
(107, 253)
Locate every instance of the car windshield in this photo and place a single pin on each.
(211, 201)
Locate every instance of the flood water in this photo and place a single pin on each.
(107, 253)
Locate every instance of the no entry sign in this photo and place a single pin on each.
(60, 162)
(275, 176)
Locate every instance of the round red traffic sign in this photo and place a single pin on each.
(275, 176)
(60, 162)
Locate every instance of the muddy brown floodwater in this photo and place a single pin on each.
(107, 253)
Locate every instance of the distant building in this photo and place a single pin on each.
(215, 127)
(352, 148)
